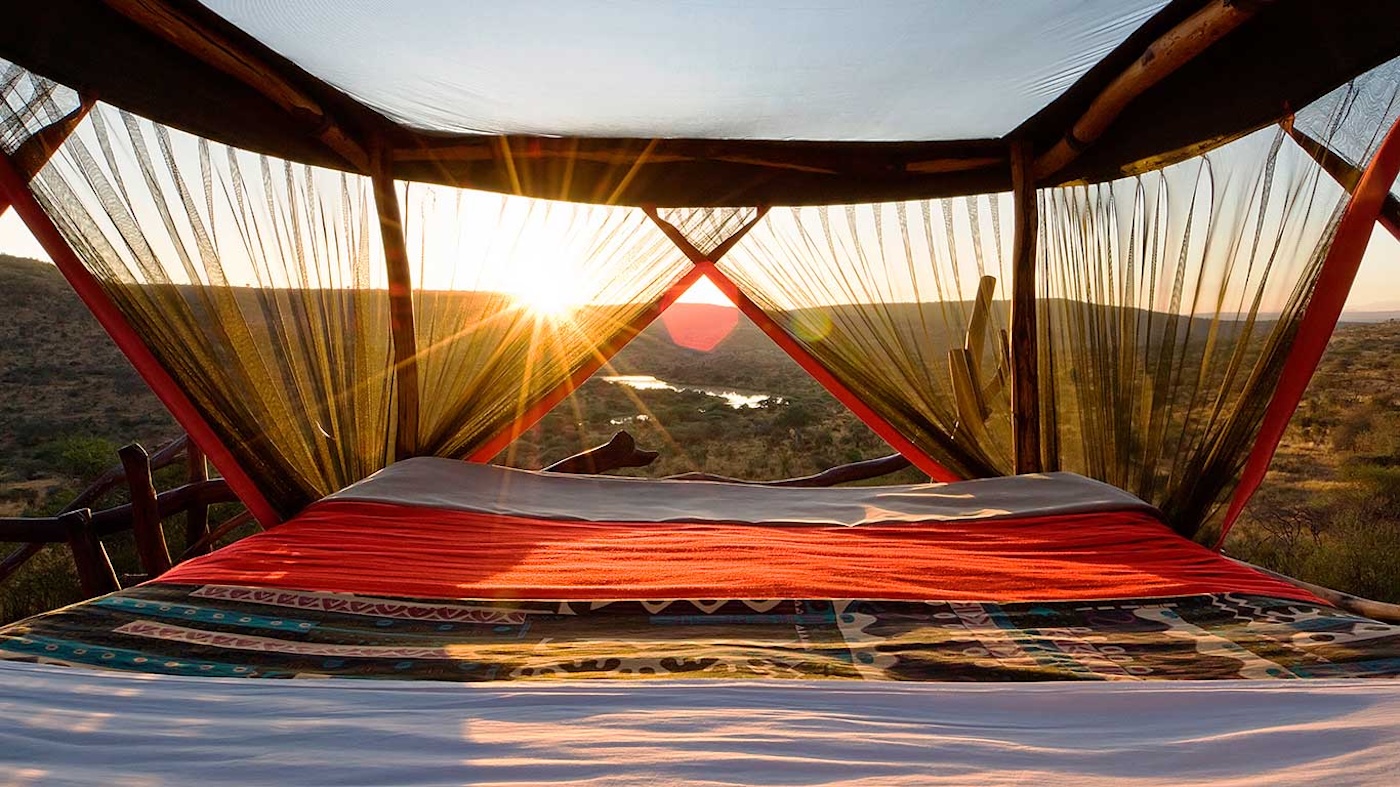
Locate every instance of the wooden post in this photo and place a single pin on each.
(1025, 354)
(95, 573)
(145, 511)
(197, 518)
(386, 201)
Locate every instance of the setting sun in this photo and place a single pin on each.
(550, 297)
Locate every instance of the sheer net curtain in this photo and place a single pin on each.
(258, 284)
(1166, 305)
(28, 103)
(1167, 301)
(883, 297)
(514, 296)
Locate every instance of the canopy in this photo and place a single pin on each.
(1103, 237)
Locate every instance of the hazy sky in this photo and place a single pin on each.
(1377, 287)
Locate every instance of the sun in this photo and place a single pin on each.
(551, 295)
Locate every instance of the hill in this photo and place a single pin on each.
(70, 395)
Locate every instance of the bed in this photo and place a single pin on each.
(714, 619)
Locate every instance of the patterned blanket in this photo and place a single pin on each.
(234, 631)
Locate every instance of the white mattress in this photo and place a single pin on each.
(465, 486)
(83, 727)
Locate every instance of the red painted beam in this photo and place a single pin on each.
(15, 189)
(829, 381)
(1319, 317)
(795, 350)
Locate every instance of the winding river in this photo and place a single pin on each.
(734, 398)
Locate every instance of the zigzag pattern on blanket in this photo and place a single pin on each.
(232, 631)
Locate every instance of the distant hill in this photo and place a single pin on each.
(61, 373)
(1370, 316)
(63, 376)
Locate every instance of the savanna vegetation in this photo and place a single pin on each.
(1329, 511)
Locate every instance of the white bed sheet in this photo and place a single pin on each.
(467, 486)
(82, 727)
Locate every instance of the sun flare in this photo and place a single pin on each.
(549, 298)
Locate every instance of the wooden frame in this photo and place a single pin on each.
(401, 317)
(1165, 55)
(145, 511)
(215, 49)
(82, 529)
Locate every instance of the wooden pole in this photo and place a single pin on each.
(96, 576)
(401, 322)
(145, 511)
(209, 46)
(197, 518)
(1165, 55)
(1025, 351)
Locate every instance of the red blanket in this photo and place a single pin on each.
(397, 550)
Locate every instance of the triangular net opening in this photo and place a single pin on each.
(731, 404)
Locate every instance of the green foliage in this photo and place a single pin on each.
(83, 458)
(47, 581)
(1329, 511)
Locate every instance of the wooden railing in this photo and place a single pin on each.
(83, 529)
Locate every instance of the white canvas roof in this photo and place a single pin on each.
(724, 69)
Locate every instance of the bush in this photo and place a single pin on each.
(80, 457)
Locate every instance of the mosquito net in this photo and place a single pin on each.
(1167, 299)
(260, 286)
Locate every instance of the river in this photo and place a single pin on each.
(733, 397)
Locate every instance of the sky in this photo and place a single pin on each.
(1377, 285)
